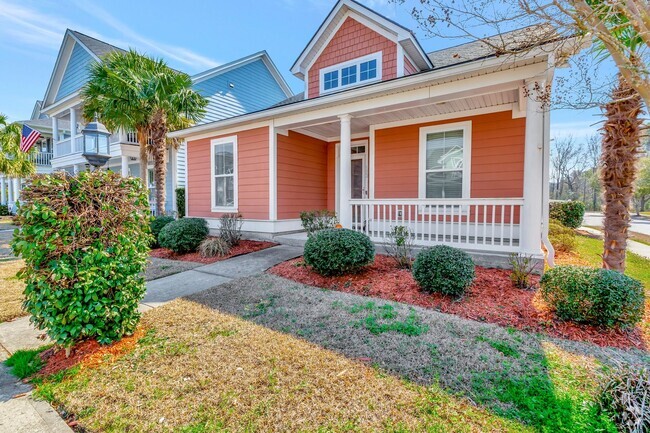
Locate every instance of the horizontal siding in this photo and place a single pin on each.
(76, 72)
(181, 159)
(497, 168)
(254, 89)
(252, 176)
(302, 174)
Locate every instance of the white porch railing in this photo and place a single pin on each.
(478, 224)
(41, 158)
(68, 146)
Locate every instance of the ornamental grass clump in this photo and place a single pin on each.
(444, 269)
(625, 396)
(338, 251)
(85, 242)
(600, 297)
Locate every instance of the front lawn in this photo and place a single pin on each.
(11, 291)
(199, 370)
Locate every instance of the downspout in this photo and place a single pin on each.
(550, 256)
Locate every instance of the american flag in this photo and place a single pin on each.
(28, 138)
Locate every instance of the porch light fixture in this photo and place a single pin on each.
(96, 148)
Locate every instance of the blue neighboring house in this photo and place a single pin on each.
(249, 84)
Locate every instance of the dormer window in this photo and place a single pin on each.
(355, 72)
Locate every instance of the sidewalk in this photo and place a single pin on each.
(24, 414)
(635, 247)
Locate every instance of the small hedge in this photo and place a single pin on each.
(184, 235)
(569, 213)
(595, 296)
(562, 238)
(444, 269)
(85, 242)
(338, 251)
(157, 224)
(316, 220)
(4, 210)
(180, 202)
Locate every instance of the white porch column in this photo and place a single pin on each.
(16, 187)
(345, 168)
(125, 166)
(530, 229)
(3, 191)
(55, 134)
(73, 122)
(10, 192)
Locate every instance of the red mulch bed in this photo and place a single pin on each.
(245, 246)
(88, 353)
(491, 298)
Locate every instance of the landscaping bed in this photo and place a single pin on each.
(245, 246)
(491, 298)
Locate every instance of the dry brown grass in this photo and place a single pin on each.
(202, 371)
(11, 291)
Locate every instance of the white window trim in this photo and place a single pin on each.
(214, 143)
(339, 67)
(466, 127)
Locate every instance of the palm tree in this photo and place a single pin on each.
(135, 92)
(114, 94)
(13, 161)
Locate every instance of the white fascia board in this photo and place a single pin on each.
(422, 79)
(64, 104)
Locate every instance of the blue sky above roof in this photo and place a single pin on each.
(195, 37)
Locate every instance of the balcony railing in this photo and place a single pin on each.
(69, 146)
(41, 158)
(478, 224)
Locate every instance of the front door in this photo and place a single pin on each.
(359, 182)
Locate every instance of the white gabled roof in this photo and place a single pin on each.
(368, 17)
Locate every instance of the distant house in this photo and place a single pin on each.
(446, 143)
(245, 85)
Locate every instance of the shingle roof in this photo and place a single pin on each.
(295, 98)
(99, 48)
(512, 41)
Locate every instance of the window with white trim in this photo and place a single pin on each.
(445, 161)
(224, 173)
(351, 73)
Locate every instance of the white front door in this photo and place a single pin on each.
(359, 181)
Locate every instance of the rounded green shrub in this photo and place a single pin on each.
(569, 213)
(184, 235)
(157, 225)
(338, 251)
(595, 296)
(444, 269)
(85, 242)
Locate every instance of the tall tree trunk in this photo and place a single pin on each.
(143, 138)
(159, 138)
(620, 149)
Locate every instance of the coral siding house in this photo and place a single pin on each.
(446, 143)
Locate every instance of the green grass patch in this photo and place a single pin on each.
(26, 363)
(384, 318)
(501, 346)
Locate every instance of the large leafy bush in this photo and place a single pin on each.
(85, 241)
(444, 269)
(595, 296)
(184, 235)
(338, 251)
(157, 224)
(569, 213)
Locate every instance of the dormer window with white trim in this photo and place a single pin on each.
(355, 72)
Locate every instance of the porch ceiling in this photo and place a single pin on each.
(329, 128)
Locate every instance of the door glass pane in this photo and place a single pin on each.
(223, 159)
(445, 150)
(445, 184)
(357, 178)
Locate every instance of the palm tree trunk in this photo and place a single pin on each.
(620, 148)
(144, 155)
(159, 138)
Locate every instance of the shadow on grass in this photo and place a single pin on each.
(513, 374)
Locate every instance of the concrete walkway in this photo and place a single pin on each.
(635, 247)
(24, 414)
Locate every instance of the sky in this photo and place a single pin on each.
(192, 35)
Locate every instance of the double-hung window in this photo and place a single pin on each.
(445, 161)
(224, 174)
(351, 73)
